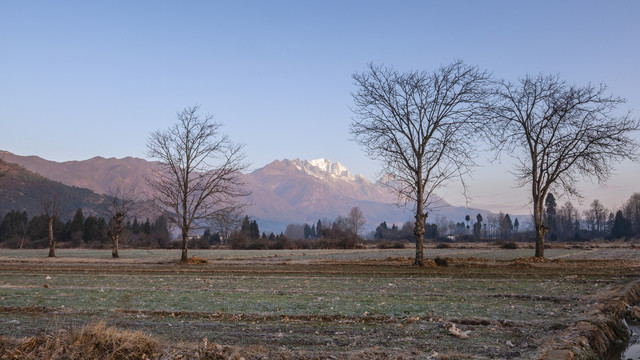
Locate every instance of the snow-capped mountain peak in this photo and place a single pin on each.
(324, 168)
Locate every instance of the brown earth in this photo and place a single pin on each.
(583, 339)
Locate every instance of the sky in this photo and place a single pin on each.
(80, 79)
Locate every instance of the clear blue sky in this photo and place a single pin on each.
(93, 78)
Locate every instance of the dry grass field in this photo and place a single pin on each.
(291, 304)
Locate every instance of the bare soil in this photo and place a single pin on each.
(316, 304)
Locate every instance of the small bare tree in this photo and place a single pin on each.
(421, 126)
(225, 223)
(356, 220)
(122, 203)
(53, 208)
(559, 133)
(199, 176)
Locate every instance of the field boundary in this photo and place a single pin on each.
(594, 338)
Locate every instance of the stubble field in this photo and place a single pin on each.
(319, 304)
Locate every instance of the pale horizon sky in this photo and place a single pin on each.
(82, 79)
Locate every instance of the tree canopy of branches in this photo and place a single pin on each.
(559, 133)
(226, 223)
(420, 125)
(122, 202)
(199, 176)
(356, 220)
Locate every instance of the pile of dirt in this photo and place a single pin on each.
(197, 260)
(91, 342)
(529, 261)
(108, 343)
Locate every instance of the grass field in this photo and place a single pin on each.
(308, 303)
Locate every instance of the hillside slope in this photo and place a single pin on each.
(24, 190)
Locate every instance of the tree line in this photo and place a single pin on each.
(341, 233)
(565, 222)
(18, 230)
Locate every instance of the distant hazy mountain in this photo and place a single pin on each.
(23, 190)
(96, 174)
(299, 191)
(283, 192)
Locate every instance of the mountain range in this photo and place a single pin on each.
(282, 192)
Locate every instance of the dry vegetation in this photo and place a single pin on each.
(359, 304)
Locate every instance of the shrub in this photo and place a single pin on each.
(441, 261)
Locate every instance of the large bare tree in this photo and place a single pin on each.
(560, 133)
(199, 175)
(421, 126)
(52, 207)
(123, 201)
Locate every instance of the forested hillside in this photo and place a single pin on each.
(23, 190)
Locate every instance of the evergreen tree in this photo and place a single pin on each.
(77, 224)
(254, 231)
(102, 230)
(160, 232)
(245, 227)
(15, 226)
(136, 226)
(381, 231)
(319, 229)
(431, 231)
(516, 225)
(146, 227)
(621, 226)
(477, 227)
(91, 229)
(307, 231)
(206, 236)
(467, 219)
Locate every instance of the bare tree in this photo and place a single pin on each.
(559, 133)
(225, 223)
(631, 211)
(356, 220)
(199, 175)
(53, 208)
(420, 125)
(123, 201)
(596, 217)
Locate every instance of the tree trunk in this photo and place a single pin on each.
(184, 259)
(114, 250)
(52, 241)
(418, 231)
(540, 227)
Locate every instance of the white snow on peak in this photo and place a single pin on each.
(323, 168)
